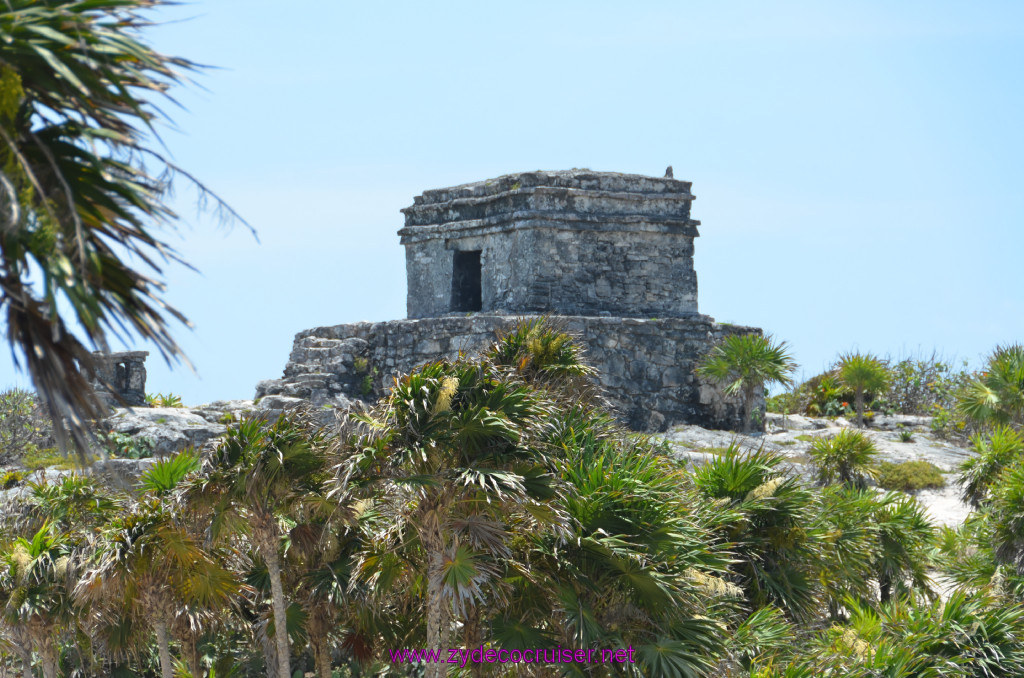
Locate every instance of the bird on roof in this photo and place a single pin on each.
(668, 173)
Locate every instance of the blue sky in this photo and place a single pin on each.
(858, 166)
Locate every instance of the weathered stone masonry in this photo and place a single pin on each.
(609, 256)
(125, 373)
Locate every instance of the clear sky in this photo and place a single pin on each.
(858, 166)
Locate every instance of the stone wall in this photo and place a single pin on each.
(122, 373)
(570, 243)
(645, 365)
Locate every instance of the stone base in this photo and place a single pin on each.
(646, 367)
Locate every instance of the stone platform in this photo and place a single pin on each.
(646, 366)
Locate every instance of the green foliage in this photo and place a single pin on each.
(87, 181)
(905, 539)
(922, 385)
(124, 446)
(966, 556)
(507, 501)
(72, 502)
(905, 436)
(863, 374)
(910, 476)
(965, 636)
(744, 365)
(165, 475)
(772, 522)
(950, 423)
(542, 353)
(24, 427)
(1006, 511)
(827, 397)
(9, 479)
(994, 452)
(787, 402)
(996, 395)
(846, 457)
(162, 400)
(36, 459)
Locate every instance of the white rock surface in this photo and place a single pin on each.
(791, 436)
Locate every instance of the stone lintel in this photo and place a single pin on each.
(551, 221)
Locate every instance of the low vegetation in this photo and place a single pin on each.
(960, 403)
(162, 400)
(910, 476)
(846, 457)
(493, 502)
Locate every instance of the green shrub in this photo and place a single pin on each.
(23, 424)
(826, 397)
(125, 446)
(366, 385)
(919, 385)
(11, 479)
(906, 436)
(1001, 448)
(910, 476)
(865, 375)
(161, 400)
(789, 402)
(36, 458)
(996, 395)
(845, 458)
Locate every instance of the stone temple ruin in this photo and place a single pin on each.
(609, 256)
(123, 374)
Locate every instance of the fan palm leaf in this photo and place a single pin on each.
(83, 190)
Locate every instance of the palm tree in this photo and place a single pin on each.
(847, 456)
(147, 562)
(863, 373)
(851, 543)
(745, 364)
(905, 539)
(259, 473)
(775, 525)
(452, 453)
(1007, 517)
(321, 557)
(544, 355)
(36, 578)
(642, 567)
(81, 190)
(996, 451)
(996, 396)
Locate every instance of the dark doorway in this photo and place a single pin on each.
(466, 281)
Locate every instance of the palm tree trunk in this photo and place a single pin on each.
(472, 637)
(26, 659)
(858, 401)
(48, 658)
(435, 608)
(884, 587)
(748, 409)
(190, 653)
(318, 623)
(273, 560)
(269, 648)
(163, 644)
(321, 656)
